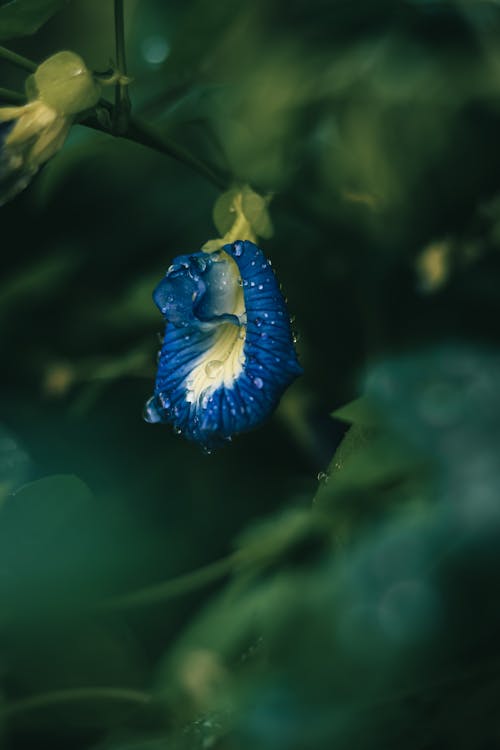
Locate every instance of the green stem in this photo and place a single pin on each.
(11, 97)
(143, 133)
(55, 697)
(122, 100)
(19, 60)
(176, 587)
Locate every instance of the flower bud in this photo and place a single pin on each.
(64, 83)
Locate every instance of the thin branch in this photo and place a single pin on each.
(136, 130)
(19, 60)
(144, 134)
(141, 132)
(122, 100)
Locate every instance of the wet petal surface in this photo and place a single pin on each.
(228, 351)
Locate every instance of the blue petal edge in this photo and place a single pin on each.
(215, 306)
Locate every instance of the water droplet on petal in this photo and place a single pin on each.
(238, 249)
(150, 412)
(258, 383)
(258, 322)
(260, 287)
(213, 368)
(164, 401)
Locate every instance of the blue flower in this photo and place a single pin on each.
(228, 351)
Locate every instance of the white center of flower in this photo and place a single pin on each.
(223, 363)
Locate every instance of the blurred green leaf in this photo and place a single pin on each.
(38, 279)
(51, 549)
(24, 17)
(360, 412)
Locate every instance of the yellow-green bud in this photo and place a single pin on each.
(64, 83)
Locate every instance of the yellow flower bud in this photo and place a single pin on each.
(64, 83)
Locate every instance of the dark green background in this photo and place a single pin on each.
(376, 124)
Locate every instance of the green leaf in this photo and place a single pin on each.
(361, 412)
(24, 17)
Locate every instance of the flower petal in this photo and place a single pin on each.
(12, 178)
(228, 352)
(29, 136)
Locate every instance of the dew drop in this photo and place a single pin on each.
(213, 368)
(238, 249)
(323, 476)
(260, 287)
(177, 431)
(240, 282)
(164, 401)
(150, 412)
(258, 383)
(258, 322)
